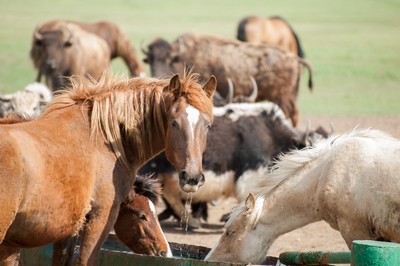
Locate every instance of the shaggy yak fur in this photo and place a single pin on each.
(61, 49)
(118, 42)
(273, 30)
(276, 71)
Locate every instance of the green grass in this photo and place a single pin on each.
(354, 46)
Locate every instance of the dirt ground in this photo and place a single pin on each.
(315, 236)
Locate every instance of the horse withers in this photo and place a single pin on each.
(350, 181)
(71, 168)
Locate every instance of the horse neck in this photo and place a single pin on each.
(152, 140)
(291, 205)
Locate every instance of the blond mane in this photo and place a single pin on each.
(134, 108)
(290, 164)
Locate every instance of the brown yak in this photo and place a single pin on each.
(61, 49)
(273, 30)
(275, 71)
(120, 45)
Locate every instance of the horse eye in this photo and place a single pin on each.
(142, 217)
(174, 123)
(209, 126)
(38, 42)
(67, 44)
(229, 233)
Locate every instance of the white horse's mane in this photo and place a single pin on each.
(289, 164)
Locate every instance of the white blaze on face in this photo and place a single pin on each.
(153, 210)
(193, 116)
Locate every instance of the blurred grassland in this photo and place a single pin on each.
(354, 46)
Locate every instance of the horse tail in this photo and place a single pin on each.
(128, 53)
(241, 33)
(308, 66)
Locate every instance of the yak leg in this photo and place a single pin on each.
(95, 231)
(63, 252)
(9, 256)
(171, 195)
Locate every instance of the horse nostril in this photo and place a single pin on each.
(162, 253)
(202, 179)
(182, 174)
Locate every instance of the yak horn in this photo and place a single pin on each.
(307, 132)
(37, 34)
(67, 32)
(253, 96)
(332, 129)
(231, 90)
(181, 44)
(142, 48)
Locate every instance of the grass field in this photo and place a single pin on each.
(354, 46)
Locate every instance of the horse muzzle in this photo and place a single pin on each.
(190, 182)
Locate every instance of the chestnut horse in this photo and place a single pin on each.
(71, 168)
(351, 181)
(137, 225)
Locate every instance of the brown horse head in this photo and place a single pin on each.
(189, 119)
(137, 225)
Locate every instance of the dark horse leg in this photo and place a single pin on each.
(9, 256)
(63, 252)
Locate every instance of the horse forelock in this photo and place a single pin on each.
(149, 187)
(195, 94)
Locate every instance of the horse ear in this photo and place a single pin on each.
(210, 86)
(250, 202)
(175, 85)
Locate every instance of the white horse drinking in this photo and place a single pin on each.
(351, 181)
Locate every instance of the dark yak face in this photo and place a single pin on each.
(48, 52)
(161, 58)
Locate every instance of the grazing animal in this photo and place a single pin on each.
(350, 181)
(31, 101)
(61, 49)
(276, 71)
(241, 146)
(273, 30)
(71, 168)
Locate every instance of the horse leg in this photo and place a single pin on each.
(100, 221)
(63, 251)
(352, 230)
(9, 256)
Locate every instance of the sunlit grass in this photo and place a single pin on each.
(353, 45)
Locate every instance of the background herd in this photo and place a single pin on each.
(114, 42)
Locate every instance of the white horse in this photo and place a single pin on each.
(351, 181)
